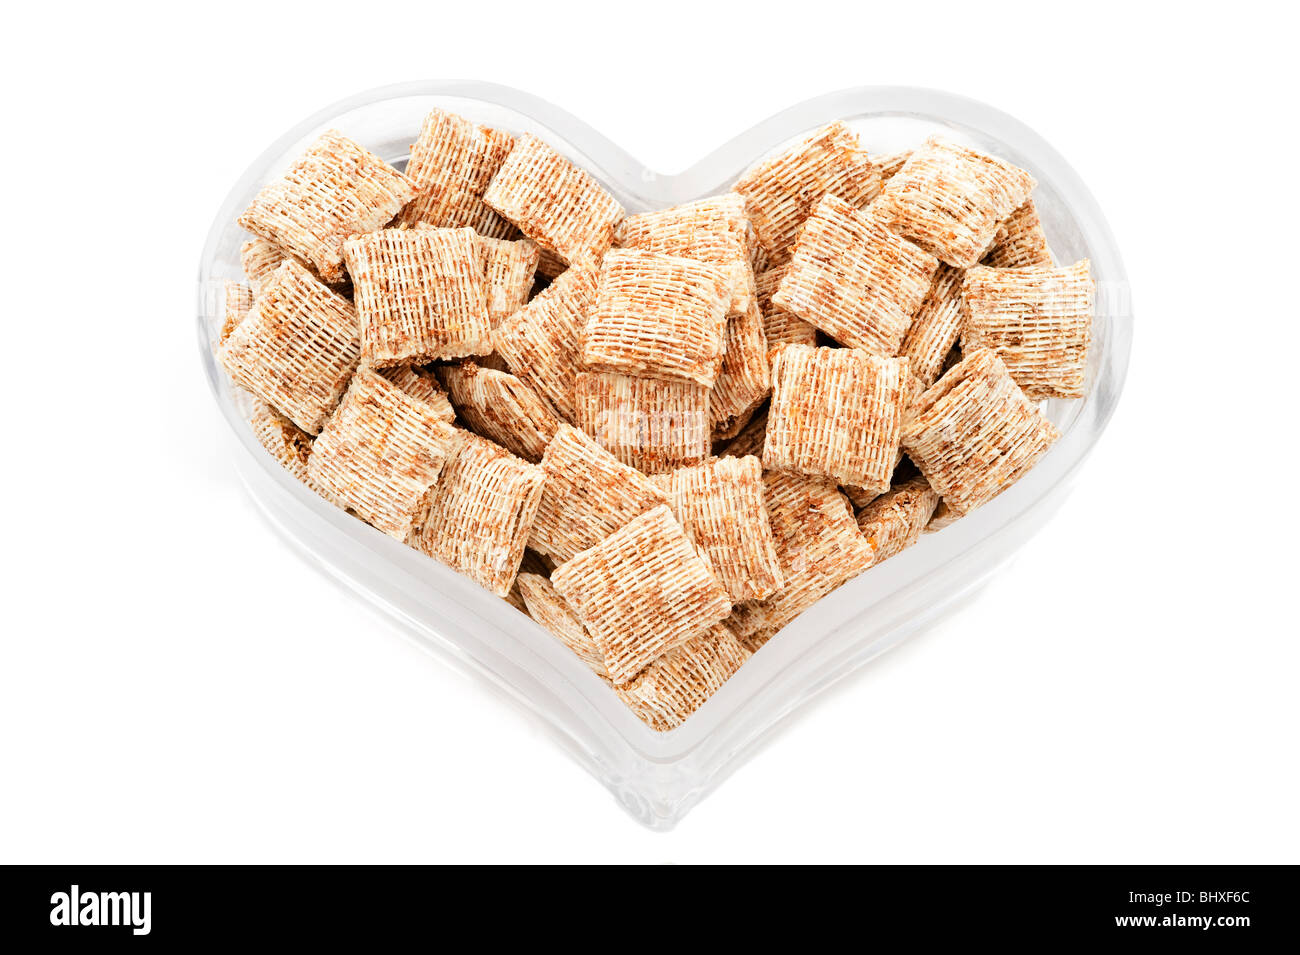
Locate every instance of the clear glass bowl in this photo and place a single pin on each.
(659, 776)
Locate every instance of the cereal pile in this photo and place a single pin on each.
(661, 436)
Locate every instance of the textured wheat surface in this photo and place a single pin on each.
(501, 407)
(836, 412)
(974, 433)
(452, 161)
(781, 191)
(334, 190)
(657, 316)
(652, 425)
(855, 279)
(381, 452)
(1038, 320)
(540, 342)
(553, 202)
(588, 495)
(481, 513)
(950, 200)
(641, 592)
(720, 506)
(296, 348)
(420, 294)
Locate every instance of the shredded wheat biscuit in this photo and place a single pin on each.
(509, 267)
(935, 326)
(540, 342)
(481, 512)
(296, 348)
(1038, 320)
(547, 607)
(421, 384)
(714, 230)
(589, 494)
(419, 294)
(334, 190)
(949, 200)
(720, 506)
(651, 425)
(819, 547)
(745, 377)
(554, 202)
(286, 442)
(451, 164)
(380, 453)
(974, 433)
(854, 279)
(781, 191)
(669, 690)
(836, 412)
(499, 406)
(657, 316)
(1020, 242)
(894, 521)
(779, 326)
(641, 592)
(238, 299)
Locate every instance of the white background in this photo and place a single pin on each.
(176, 686)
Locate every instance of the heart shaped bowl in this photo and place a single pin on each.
(658, 777)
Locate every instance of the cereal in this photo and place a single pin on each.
(1038, 320)
(890, 163)
(547, 607)
(657, 316)
(944, 516)
(641, 592)
(237, 301)
(553, 202)
(421, 384)
(894, 521)
(286, 442)
(451, 164)
(713, 230)
(509, 267)
(779, 326)
(419, 295)
(588, 495)
(720, 506)
(935, 326)
(296, 348)
(1020, 242)
(836, 412)
(783, 190)
(819, 547)
(744, 379)
(481, 512)
(540, 341)
(650, 433)
(652, 425)
(499, 406)
(669, 690)
(854, 279)
(949, 200)
(334, 190)
(750, 439)
(380, 453)
(974, 433)
(259, 258)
